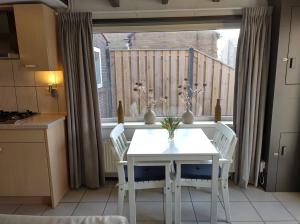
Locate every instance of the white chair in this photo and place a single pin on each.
(198, 175)
(147, 175)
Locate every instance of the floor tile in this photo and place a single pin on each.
(243, 211)
(62, 209)
(187, 212)
(114, 195)
(287, 196)
(272, 211)
(8, 208)
(219, 222)
(31, 209)
(257, 194)
(202, 210)
(285, 222)
(149, 195)
(236, 194)
(293, 208)
(73, 195)
(89, 209)
(98, 195)
(189, 222)
(150, 211)
(112, 209)
(200, 194)
(185, 194)
(247, 222)
(150, 222)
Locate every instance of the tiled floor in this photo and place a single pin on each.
(247, 206)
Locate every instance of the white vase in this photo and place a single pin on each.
(149, 116)
(188, 117)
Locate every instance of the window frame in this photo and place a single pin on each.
(121, 25)
(97, 50)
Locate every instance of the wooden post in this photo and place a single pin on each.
(190, 71)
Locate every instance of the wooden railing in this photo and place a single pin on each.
(163, 70)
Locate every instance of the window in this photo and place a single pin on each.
(98, 66)
(146, 68)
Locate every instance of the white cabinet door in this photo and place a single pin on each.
(293, 65)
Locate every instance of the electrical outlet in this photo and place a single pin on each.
(262, 166)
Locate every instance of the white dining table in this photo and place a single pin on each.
(152, 145)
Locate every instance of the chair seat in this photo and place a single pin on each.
(147, 173)
(197, 171)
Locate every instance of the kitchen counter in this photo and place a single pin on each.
(43, 121)
(33, 160)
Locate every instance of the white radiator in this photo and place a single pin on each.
(110, 164)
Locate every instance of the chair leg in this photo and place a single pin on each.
(225, 196)
(178, 195)
(121, 197)
(168, 196)
(221, 193)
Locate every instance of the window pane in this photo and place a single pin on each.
(161, 69)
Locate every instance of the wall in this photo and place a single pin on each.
(205, 41)
(154, 8)
(104, 93)
(22, 90)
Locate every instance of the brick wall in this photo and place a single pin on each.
(104, 93)
(205, 41)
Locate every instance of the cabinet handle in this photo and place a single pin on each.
(30, 66)
(292, 64)
(283, 149)
(1, 149)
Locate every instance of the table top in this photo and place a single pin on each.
(154, 142)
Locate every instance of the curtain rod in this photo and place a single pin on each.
(166, 20)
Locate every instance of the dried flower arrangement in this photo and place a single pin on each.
(186, 92)
(147, 95)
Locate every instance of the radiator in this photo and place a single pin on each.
(110, 164)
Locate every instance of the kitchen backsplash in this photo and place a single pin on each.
(21, 89)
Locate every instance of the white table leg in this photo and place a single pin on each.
(214, 189)
(178, 195)
(131, 190)
(168, 201)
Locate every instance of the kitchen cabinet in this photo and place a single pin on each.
(33, 161)
(23, 169)
(37, 36)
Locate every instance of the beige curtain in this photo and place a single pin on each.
(83, 122)
(250, 91)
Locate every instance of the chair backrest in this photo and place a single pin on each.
(224, 140)
(119, 142)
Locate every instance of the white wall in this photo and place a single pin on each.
(154, 8)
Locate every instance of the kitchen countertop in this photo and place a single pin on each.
(37, 121)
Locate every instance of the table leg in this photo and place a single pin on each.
(214, 189)
(178, 194)
(168, 201)
(131, 190)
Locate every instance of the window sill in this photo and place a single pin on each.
(142, 125)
